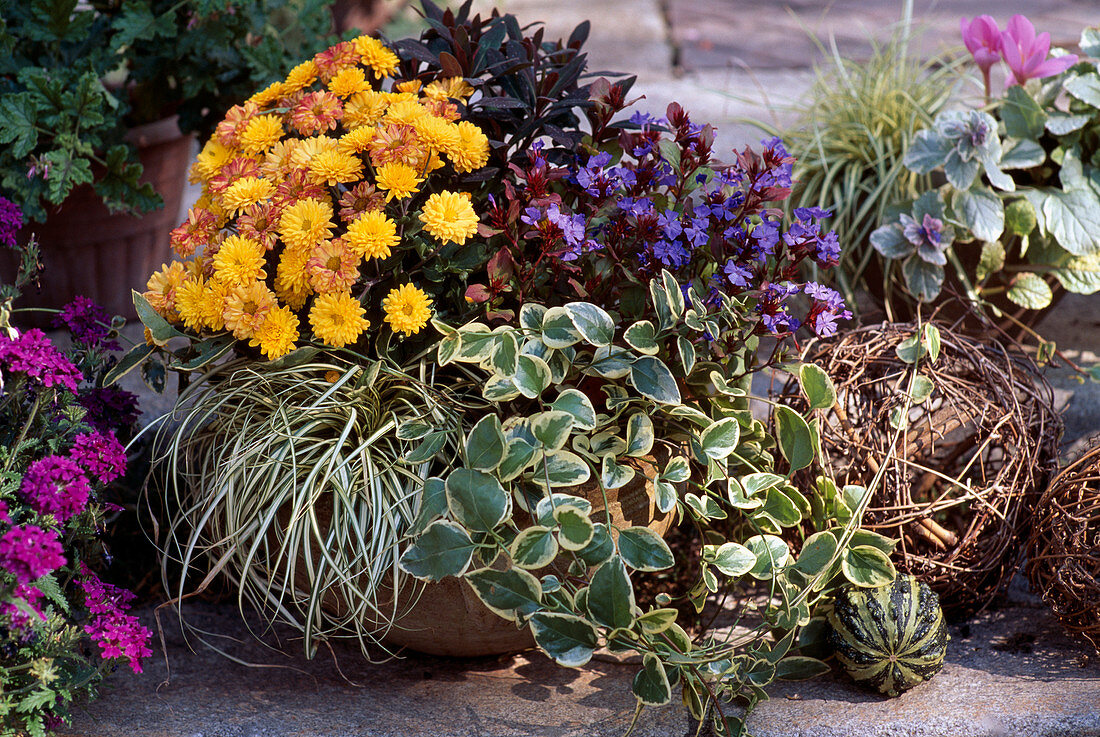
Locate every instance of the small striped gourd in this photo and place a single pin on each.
(890, 637)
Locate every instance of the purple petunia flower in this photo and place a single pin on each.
(56, 485)
(29, 553)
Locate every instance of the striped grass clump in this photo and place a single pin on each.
(293, 482)
(850, 137)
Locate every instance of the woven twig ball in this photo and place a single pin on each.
(958, 487)
(1064, 548)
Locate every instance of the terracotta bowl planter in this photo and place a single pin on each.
(102, 255)
(447, 618)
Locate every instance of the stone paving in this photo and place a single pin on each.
(1010, 672)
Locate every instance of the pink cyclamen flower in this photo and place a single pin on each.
(1026, 53)
(983, 40)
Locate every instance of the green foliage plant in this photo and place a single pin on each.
(75, 76)
(1017, 216)
(574, 401)
(851, 135)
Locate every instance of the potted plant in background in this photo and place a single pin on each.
(97, 105)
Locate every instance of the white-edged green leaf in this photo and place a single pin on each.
(592, 322)
(642, 337)
(517, 456)
(656, 621)
(675, 294)
(677, 470)
(614, 475)
(650, 685)
(576, 403)
(558, 330)
(733, 559)
(566, 638)
(817, 386)
(611, 595)
(433, 503)
(504, 354)
(476, 499)
(448, 348)
(664, 496)
(817, 553)
(652, 378)
(530, 315)
(600, 548)
(532, 376)
(560, 468)
(575, 529)
(639, 434)
(485, 444)
(499, 389)
(611, 362)
(513, 594)
(867, 566)
(544, 509)
(477, 341)
(643, 549)
(443, 549)
(687, 354)
(534, 547)
(432, 443)
(552, 428)
(795, 440)
(771, 554)
(922, 389)
(721, 438)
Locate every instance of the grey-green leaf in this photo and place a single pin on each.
(795, 441)
(513, 594)
(566, 638)
(982, 212)
(611, 595)
(477, 500)
(485, 444)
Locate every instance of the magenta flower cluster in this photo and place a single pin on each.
(101, 455)
(11, 220)
(1023, 51)
(87, 322)
(118, 634)
(56, 485)
(33, 355)
(29, 552)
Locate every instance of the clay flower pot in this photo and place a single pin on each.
(88, 250)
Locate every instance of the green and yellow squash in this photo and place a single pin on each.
(890, 637)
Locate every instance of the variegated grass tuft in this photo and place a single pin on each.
(291, 480)
(851, 135)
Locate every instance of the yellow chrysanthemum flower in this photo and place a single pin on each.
(308, 148)
(246, 307)
(372, 235)
(306, 223)
(261, 133)
(245, 192)
(405, 111)
(277, 334)
(210, 161)
(348, 81)
(455, 88)
(301, 76)
(191, 302)
(279, 160)
(408, 85)
(214, 304)
(357, 140)
(399, 180)
(337, 319)
(407, 309)
(332, 267)
(437, 133)
(396, 97)
(375, 55)
(450, 217)
(471, 152)
(335, 167)
(292, 279)
(162, 287)
(365, 108)
(268, 94)
(239, 261)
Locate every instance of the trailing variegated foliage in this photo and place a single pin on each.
(573, 401)
(891, 637)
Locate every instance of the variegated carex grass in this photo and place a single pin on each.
(291, 481)
(849, 140)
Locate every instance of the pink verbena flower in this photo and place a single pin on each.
(87, 322)
(20, 621)
(101, 455)
(56, 485)
(11, 220)
(119, 635)
(983, 40)
(34, 355)
(1026, 54)
(29, 553)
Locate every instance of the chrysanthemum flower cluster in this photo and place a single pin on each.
(309, 190)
